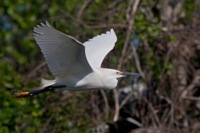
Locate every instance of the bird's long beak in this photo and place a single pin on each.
(130, 74)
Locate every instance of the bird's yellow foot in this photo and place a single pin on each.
(22, 94)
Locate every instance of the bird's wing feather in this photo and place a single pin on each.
(64, 55)
(98, 47)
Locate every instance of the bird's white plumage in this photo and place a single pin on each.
(76, 66)
(98, 47)
(65, 56)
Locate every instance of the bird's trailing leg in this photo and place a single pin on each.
(36, 92)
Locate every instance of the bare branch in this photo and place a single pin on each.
(84, 6)
(128, 34)
(130, 24)
(116, 99)
(89, 26)
(107, 108)
(126, 100)
(137, 61)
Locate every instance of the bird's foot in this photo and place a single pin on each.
(36, 92)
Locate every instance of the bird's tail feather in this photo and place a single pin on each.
(45, 82)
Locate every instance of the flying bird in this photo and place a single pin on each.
(75, 65)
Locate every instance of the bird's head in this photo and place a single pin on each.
(118, 74)
(111, 73)
(109, 77)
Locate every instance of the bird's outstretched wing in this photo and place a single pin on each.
(98, 47)
(64, 55)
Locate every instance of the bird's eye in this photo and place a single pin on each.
(119, 73)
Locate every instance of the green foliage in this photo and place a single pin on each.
(191, 10)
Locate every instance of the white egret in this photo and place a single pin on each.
(75, 65)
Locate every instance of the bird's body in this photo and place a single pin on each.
(76, 65)
(98, 79)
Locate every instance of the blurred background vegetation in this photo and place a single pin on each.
(158, 39)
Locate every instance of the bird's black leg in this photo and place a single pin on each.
(48, 88)
(36, 92)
